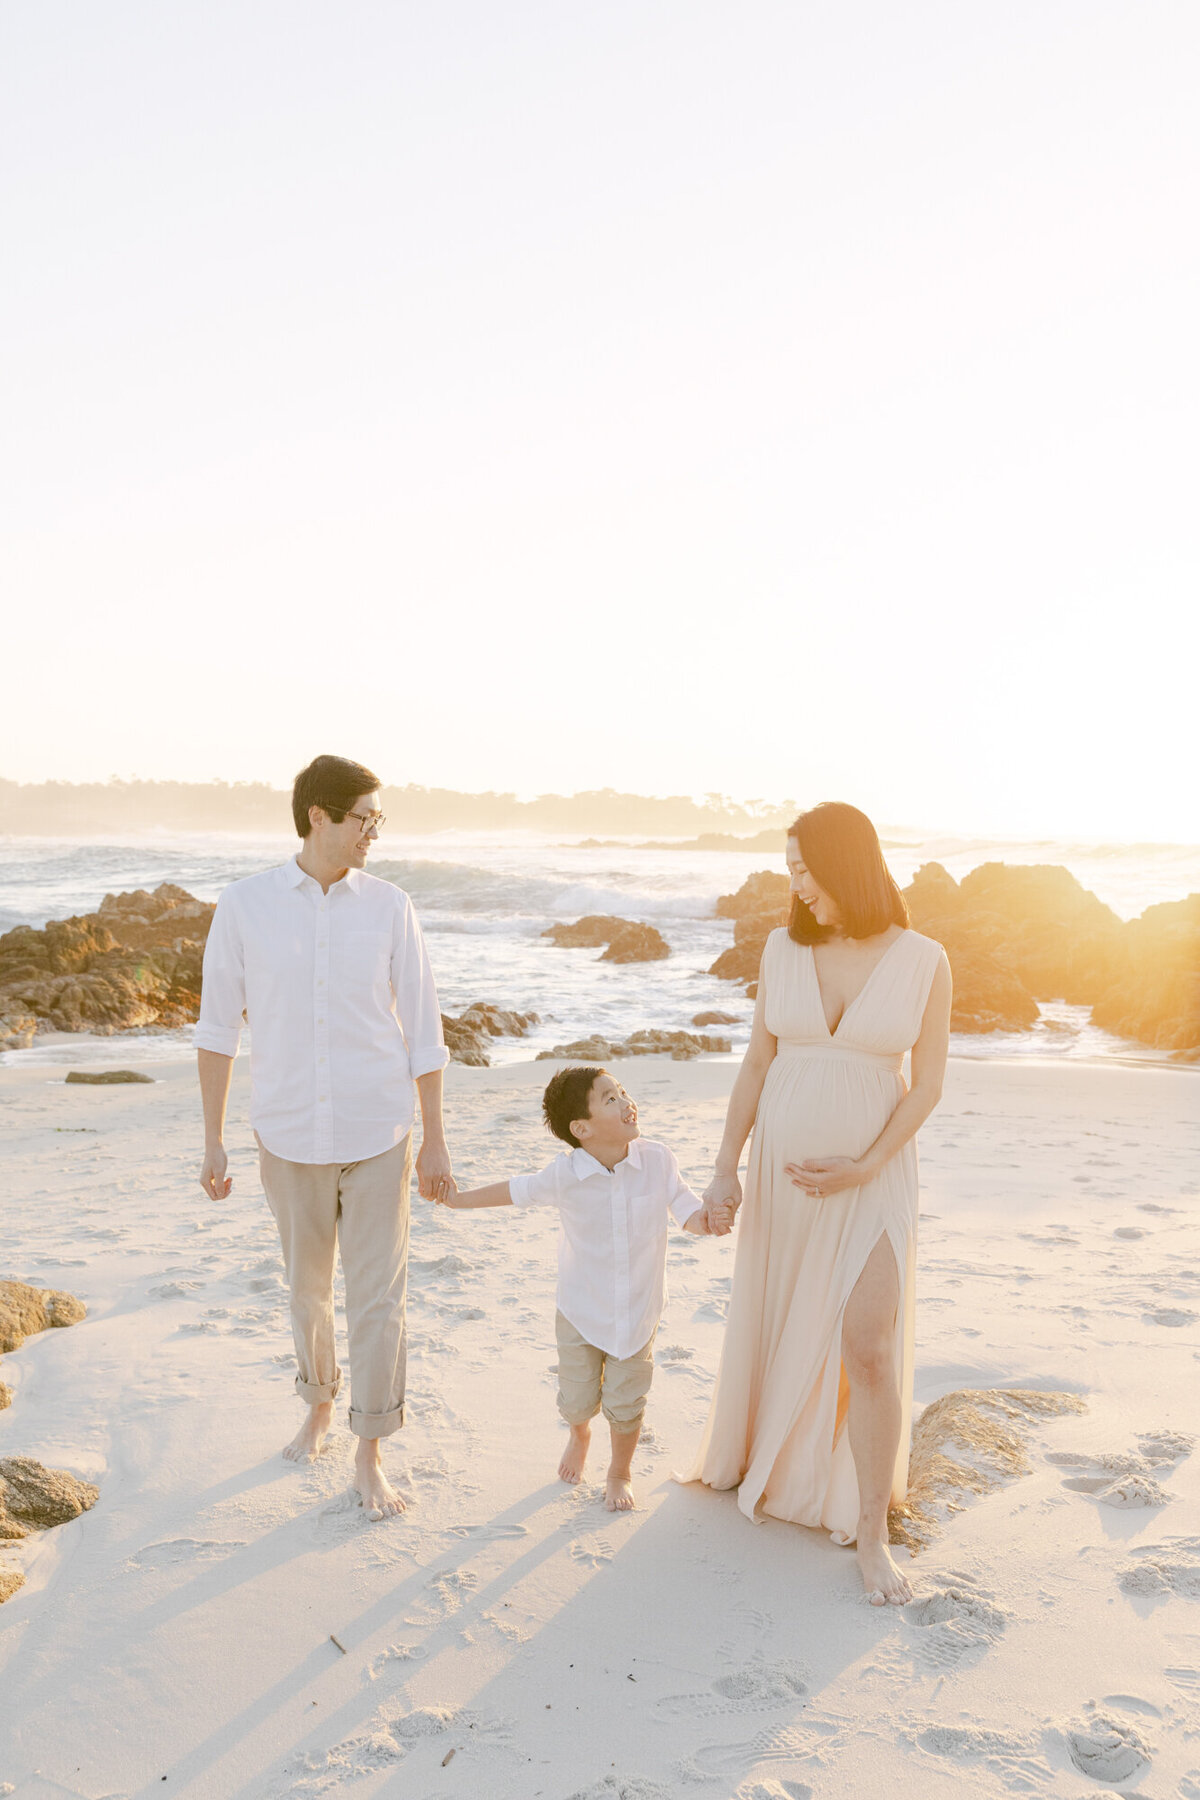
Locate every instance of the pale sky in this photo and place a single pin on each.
(784, 399)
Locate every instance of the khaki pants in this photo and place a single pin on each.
(590, 1381)
(364, 1207)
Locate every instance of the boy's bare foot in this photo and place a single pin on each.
(575, 1455)
(618, 1494)
(305, 1447)
(379, 1498)
(883, 1581)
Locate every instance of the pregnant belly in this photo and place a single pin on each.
(812, 1106)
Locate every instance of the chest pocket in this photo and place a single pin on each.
(360, 965)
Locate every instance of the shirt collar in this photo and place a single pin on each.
(583, 1163)
(295, 876)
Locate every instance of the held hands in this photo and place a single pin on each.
(822, 1176)
(434, 1178)
(722, 1197)
(213, 1178)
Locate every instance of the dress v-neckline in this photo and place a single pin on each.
(850, 1004)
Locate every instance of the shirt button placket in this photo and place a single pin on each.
(620, 1209)
(323, 1111)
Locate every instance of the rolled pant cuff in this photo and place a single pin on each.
(376, 1425)
(316, 1391)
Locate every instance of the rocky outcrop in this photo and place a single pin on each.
(989, 995)
(682, 1045)
(25, 1310)
(10, 1581)
(715, 1018)
(760, 905)
(135, 962)
(467, 1036)
(1016, 935)
(626, 940)
(34, 1498)
(1154, 990)
(106, 1077)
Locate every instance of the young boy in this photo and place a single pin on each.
(613, 1190)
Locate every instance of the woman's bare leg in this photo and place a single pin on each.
(869, 1359)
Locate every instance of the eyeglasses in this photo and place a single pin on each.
(366, 820)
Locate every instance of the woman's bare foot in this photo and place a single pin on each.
(883, 1581)
(618, 1494)
(575, 1455)
(305, 1447)
(379, 1498)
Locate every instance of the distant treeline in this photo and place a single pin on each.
(64, 809)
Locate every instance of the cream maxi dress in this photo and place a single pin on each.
(776, 1430)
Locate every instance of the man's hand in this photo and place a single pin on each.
(213, 1178)
(435, 1180)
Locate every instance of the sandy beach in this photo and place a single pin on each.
(507, 1637)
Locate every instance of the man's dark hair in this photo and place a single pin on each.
(332, 782)
(842, 853)
(566, 1098)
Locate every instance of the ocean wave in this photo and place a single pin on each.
(466, 889)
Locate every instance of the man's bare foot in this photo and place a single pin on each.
(305, 1447)
(379, 1498)
(618, 1494)
(575, 1455)
(883, 1581)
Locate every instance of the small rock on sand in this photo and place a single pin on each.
(106, 1077)
(34, 1498)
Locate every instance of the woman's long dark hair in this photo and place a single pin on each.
(842, 853)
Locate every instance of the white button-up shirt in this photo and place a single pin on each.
(339, 997)
(612, 1241)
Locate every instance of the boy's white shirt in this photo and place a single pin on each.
(612, 1242)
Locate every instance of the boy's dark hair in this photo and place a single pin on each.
(331, 782)
(566, 1098)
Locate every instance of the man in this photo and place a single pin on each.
(328, 967)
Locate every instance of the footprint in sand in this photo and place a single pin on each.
(392, 1661)
(810, 1743)
(622, 1787)
(184, 1550)
(1170, 1315)
(1011, 1758)
(446, 1594)
(488, 1533)
(592, 1553)
(1106, 1748)
(773, 1790)
(1164, 1569)
(752, 1687)
(955, 1622)
(1124, 1480)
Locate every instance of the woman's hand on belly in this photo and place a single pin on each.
(822, 1176)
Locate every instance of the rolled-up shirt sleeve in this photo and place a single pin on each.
(223, 989)
(540, 1189)
(416, 996)
(681, 1200)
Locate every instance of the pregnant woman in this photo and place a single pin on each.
(811, 1414)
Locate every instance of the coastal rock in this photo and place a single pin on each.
(17, 1030)
(10, 1581)
(682, 1045)
(5, 1396)
(134, 962)
(1154, 991)
(468, 1035)
(715, 1018)
(750, 933)
(989, 995)
(25, 1310)
(627, 941)
(767, 891)
(106, 1077)
(34, 1498)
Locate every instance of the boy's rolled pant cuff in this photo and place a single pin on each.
(376, 1425)
(314, 1392)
